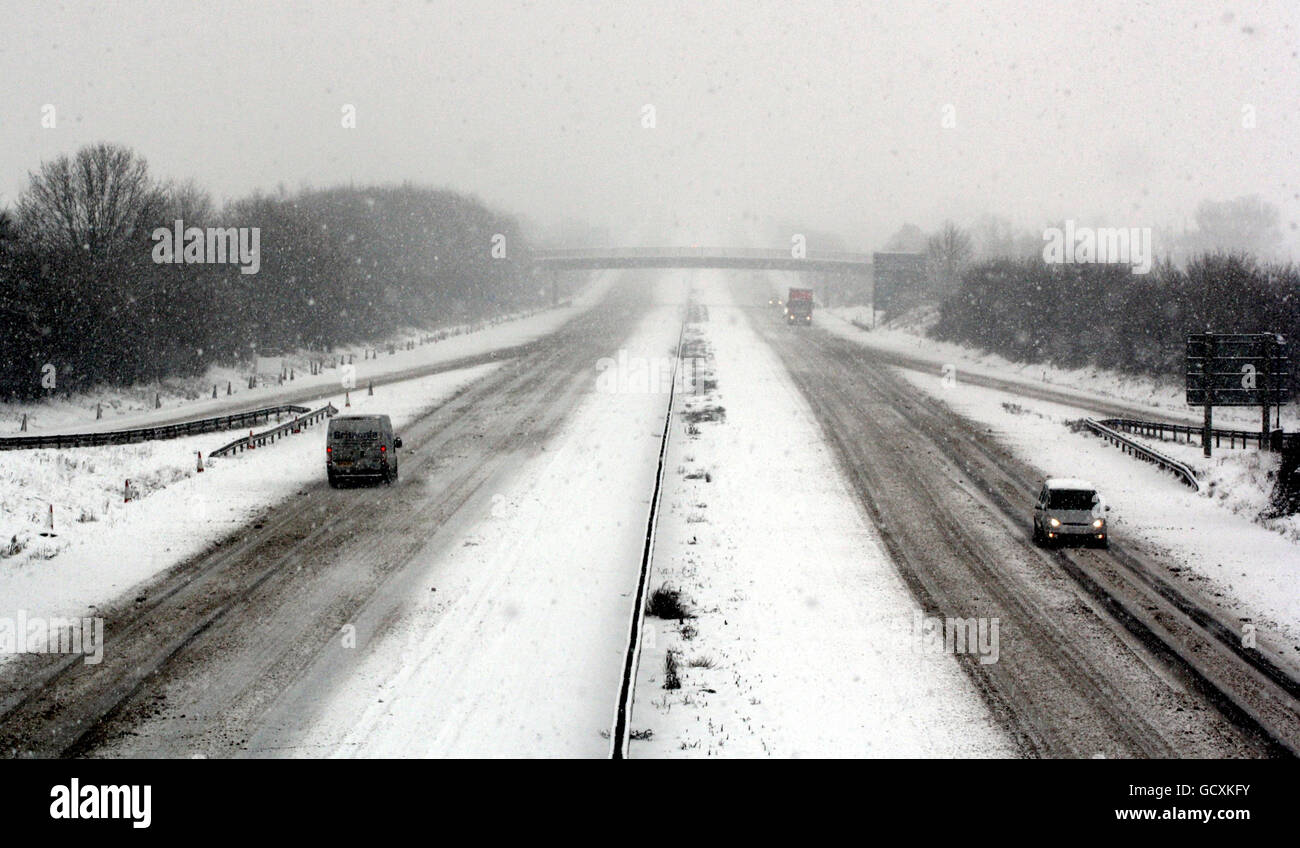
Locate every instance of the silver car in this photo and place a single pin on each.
(1070, 510)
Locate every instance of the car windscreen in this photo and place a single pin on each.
(1071, 499)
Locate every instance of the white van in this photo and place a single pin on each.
(362, 447)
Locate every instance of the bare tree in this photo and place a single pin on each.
(995, 237)
(189, 202)
(948, 252)
(908, 239)
(94, 202)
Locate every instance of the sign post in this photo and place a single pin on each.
(1263, 393)
(897, 282)
(1207, 428)
(1240, 369)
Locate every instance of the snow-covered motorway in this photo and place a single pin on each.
(816, 507)
(1101, 654)
(241, 650)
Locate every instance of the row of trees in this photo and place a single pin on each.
(80, 289)
(1074, 315)
(1243, 225)
(947, 251)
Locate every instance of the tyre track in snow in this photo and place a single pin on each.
(1105, 408)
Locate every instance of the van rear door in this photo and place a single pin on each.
(354, 443)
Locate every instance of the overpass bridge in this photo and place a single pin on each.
(758, 259)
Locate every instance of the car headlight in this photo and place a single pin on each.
(1098, 523)
(1054, 522)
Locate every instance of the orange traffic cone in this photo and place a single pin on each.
(251, 446)
(126, 492)
(200, 469)
(347, 398)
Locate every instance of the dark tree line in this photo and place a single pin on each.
(1074, 315)
(80, 290)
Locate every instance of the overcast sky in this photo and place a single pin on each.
(829, 114)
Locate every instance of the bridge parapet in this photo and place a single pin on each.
(700, 257)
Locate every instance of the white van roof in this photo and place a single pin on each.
(348, 423)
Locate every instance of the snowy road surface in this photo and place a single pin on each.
(952, 503)
(800, 641)
(822, 519)
(505, 637)
(198, 664)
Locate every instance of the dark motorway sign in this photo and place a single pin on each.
(1244, 369)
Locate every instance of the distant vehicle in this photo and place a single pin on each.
(774, 301)
(1070, 510)
(361, 446)
(799, 306)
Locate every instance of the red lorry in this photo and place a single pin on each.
(799, 306)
